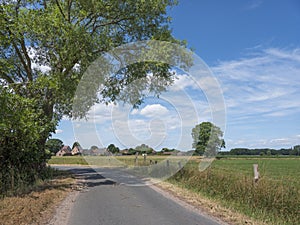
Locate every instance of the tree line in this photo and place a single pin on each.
(263, 151)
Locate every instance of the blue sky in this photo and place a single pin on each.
(252, 49)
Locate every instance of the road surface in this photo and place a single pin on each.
(107, 200)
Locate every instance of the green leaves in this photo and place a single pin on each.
(45, 48)
(207, 139)
(22, 126)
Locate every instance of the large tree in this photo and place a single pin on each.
(207, 139)
(46, 45)
(54, 145)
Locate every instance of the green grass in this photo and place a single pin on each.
(279, 169)
(79, 160)
(275, 198)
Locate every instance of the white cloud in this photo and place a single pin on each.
(154, 110)
(280, 141)
(261, 92)
(134, 112)
(183, 81)
(59, 131)
(265, 83)
(276, 143)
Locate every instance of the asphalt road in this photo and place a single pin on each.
(106, 200)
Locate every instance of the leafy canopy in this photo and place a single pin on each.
(207, 139)
(47, 45)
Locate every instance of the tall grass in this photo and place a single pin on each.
(277, 202)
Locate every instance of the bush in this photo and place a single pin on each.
(22, 155)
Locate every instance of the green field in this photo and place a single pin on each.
(269, 168)
(274, 199)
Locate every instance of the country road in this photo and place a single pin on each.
(107, 200)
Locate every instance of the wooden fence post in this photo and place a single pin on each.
(136, 158)
(179, 165)
(256, 173)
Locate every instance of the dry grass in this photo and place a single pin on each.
(37, 206)
(208, 206)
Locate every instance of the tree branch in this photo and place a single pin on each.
(69, 10)
(95, 27)
(60, 9)
(7, 78)
(27, 59)
(45, 4)
(22, 61)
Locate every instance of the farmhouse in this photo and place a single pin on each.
(77, 150)
(65, 150)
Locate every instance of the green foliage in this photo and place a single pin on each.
(66, 36)
(207, 139)
(113, 149)
(263, 151)
(21, 154)
(54, 145)
(168, 150)
(131, 151)
(143, 148)
(45, 47)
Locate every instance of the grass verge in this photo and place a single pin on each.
(38, 204)
(270, 201)
(207, 205)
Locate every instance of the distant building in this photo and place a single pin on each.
(77, 150)
(153, 152)
(85, 152)
(65, 150)
(124, 151)
(98, 151)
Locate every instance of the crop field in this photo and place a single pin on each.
(274, 199)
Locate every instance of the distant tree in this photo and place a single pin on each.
(94, 147)
(54, 145)
(143, 148)
(131, 151)
(76, 144)
(207, 139)
(297, 149)
(113, 149)
(168, 150)
(164, 149)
